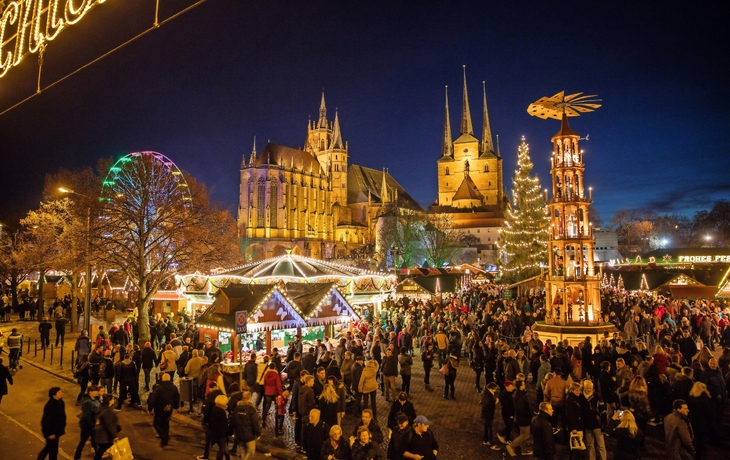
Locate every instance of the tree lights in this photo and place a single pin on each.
(524, 234)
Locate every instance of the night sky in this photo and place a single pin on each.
(199, 88)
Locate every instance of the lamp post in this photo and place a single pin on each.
(87, 291)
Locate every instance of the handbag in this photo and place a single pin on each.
(576, 441)
(163, 365)
(121, 450)
(444, 369)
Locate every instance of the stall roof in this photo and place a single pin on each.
(312, 302)
(693, 292)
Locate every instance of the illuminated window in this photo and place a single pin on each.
(261, 203)
(274, 203)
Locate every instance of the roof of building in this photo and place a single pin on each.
(468, 190)
(279, 155)
(361, 180)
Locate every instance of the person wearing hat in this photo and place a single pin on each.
(401, 406)
(420, 443)
(15, 345)
(398, 432)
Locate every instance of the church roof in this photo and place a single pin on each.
(467, 190)
(360, 180)
(465, 138)
(279, 155)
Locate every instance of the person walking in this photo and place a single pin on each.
(81, 372)
(427, 355)
(107, 428)
(390, 374)
(218, 426)
(53, 423)
(541, 428)
(87, 419)
(508, 412)
(314, 434)
(406, 361)
(14, 343)
(60, 330)
(45, 329)
(83, 344)
(149, 360)
(162, 403)
(593, 410)
(678, 432)
(246, 426)
(523, 419)
(368, 386)
(452, 364)
(489, 404)
(127, 376)
(5, 378)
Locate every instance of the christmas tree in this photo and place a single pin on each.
(524, 233)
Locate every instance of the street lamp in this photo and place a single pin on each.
(87, 291)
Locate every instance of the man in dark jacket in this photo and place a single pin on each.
(712, 377)
(574, 409)
(542, 433)
(399, 432)
(45, 329)
(164, 400)
(246, 425)
(389, 369)
(314, 435)
(294, 368)
(309, 361)
(249, 371)
(60, 330)
(489, 403)
(523, 415)
(149, 359)
(355, 374)
(87, 420)
(511, 366)
(127, 376)
(508, 411)
(53, 423)
(683, 384)
(678, 432)
(208, 406)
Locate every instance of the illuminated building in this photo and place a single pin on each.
(312, 200)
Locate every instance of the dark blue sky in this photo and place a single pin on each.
(200, 88)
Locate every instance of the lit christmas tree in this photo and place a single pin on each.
(524, 234)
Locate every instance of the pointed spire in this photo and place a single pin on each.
(446, 146)
(466, 127)
(487, 146)
(499, 153)
(336, 134)
(322, 123)
(384, 190)
(253, 152)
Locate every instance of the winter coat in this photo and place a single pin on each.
(679, 436)
(368, 380)
(405, 361)
(555, 391)
(489, 403)
(246, 422)
(369, 451)
(593, 408)
(396, 409)
(306, 401)
(313, 438)
(54, 418)
(107, 430)
(508, 404)
(608, 387)
(356, 375)
(511, 368)
(715, 384)
(272, 383)
(390, 366)
(523, 413)
(164, 399)
(574, 412)
(89, 412)
(127, 372)
(541, 430)
(341, 452)
(627, 447)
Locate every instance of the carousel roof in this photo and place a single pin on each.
(293, 267)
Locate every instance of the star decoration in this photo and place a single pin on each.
(667, 258)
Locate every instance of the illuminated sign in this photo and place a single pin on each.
(410, 288)
(27, 25)
(704, 258)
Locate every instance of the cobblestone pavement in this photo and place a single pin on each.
(456, 424)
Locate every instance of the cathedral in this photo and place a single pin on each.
(470, 186)
(311, 201)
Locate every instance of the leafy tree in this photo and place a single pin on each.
(524, 233)
(153, 226)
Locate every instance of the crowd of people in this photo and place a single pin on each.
(656, 371)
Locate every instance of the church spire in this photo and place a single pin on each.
(466, 127)
(446, 146)
(322, 123)
(336, 134)
(253, 152)
(384, 190)
(487, 146)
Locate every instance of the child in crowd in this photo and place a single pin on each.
(281, 401)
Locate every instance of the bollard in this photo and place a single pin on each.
(73, 358)
(51, 355)
(28, 347)
(44, 353)
(60, 360)
(35, 352)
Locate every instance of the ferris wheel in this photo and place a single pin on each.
(147, 176)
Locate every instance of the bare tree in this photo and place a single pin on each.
(154, 224)
(441, 241)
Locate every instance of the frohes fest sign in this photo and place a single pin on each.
(27, 25)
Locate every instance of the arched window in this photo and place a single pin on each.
(447, 170)
(261, 203)
(274, 204)
(486, 168)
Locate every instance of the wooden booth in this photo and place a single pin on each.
(169, 303)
